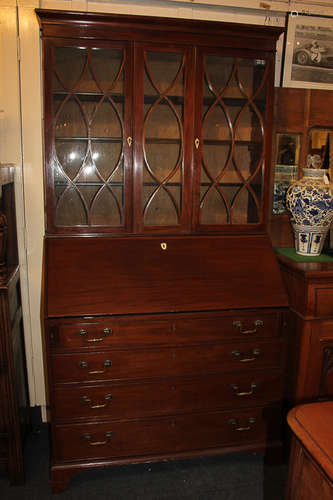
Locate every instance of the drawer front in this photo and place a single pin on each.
(147, 437)
(122, 364)
(138, 330)
(133, 399)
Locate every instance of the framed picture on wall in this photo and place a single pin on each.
(308, 53)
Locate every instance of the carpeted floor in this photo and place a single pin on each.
(240, 476)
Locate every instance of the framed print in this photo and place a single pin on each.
(308, 54)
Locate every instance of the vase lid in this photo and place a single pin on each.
(313, 161)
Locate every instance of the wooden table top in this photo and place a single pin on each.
(313, 426)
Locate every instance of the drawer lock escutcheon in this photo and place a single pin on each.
(235, 388)
(87, 400)
(258, 324)
(235, 424)
(83, 333)
(87, 436)
(107, 363)
(238, 355)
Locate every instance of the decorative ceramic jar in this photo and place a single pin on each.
(310, 201)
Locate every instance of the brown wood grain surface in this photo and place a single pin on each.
(87, 276)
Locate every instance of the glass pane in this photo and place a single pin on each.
(320, 143)
(216, 124)
(69, 65)
(260, 70)
(107, 157)
(163, 138)
(233, 140)
(286, 169)
(219, 76)
(89, 134)
(88, 173)
(160, 156)
(70, 208)
(107, 209)
(240, 205)
(71, 119)
(107, 71)
(164, 73)
(215, 160)
(71, 155)
(161, 204)
(106, 120)
(214, 206)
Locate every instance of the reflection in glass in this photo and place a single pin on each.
(286, 169)
(287, 149)
(71, 155)
(107, 157)
(320, 143)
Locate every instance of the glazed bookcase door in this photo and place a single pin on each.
(230, 145)
(162, 146)
(89, 138)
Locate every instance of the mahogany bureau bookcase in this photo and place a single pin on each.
(165, 313)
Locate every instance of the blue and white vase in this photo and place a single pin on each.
(310, 201)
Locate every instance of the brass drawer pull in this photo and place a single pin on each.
(107, 363)
(87, 399)
(234, 421)
(83, 333)
(88, 437)
(258, 323)
(248, 393)
(237, 355)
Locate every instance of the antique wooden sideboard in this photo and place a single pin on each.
(165, 312)
(310, 288)
(14, 400)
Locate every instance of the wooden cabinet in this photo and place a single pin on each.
(144, 136)
(14, 403)
(163, 338)
(134, 388)
(310, 288)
